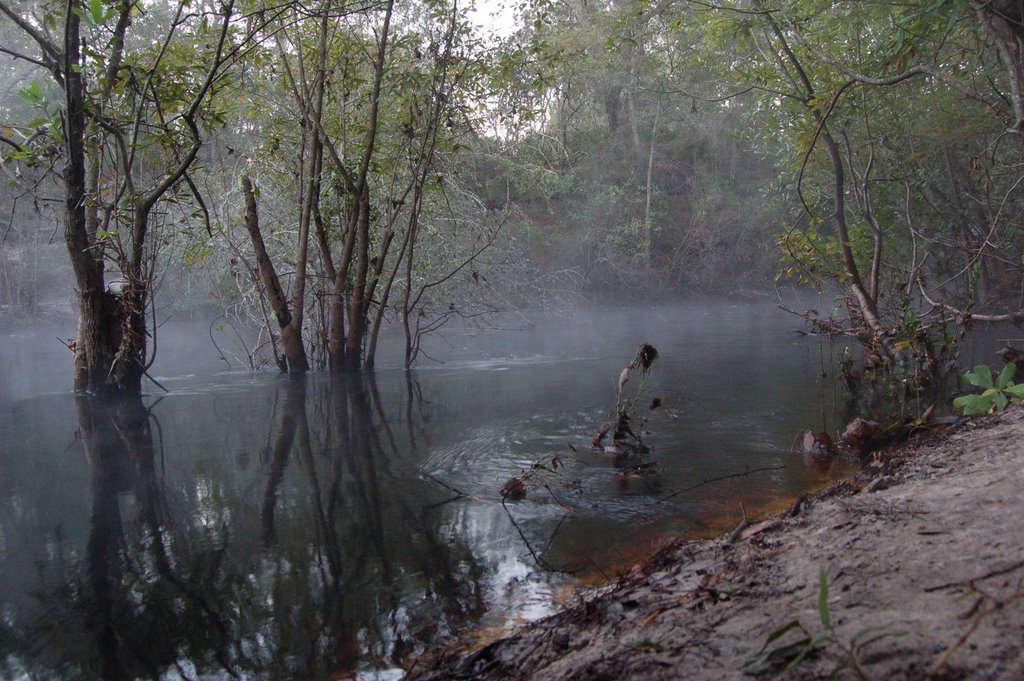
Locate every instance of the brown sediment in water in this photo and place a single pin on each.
(720, 513)
(922, 547)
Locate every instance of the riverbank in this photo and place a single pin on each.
(922, 552)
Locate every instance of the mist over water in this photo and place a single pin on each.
(259, 524)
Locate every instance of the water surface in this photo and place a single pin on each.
(252, 525)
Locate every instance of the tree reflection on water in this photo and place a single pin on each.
(264, 526)
(344, 567)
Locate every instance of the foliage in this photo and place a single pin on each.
(995, 395)
(883, 205)
(628, 149)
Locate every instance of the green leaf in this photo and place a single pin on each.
(1000, 401)
(779, 633)
(84, 16)
(1006, 376)
(98, 14)
(980, 377)
(865, 637)
(1016, 390)
(868, 631)
(33, 93)
(811, 647)
(979, 408)
(784, 651)
(964, 400)
(826, 617)
(973, 404)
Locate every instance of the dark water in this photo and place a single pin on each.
(259, 526)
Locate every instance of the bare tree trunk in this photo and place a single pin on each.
(410, 345)
(291, 336)
(345, 349)
(336, 332)
(634, 129)
(866, 304)
(297, 360)
(1003, 25)
(648, 220)
(385, 296)
(358, 304)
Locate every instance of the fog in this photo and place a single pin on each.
(453, 227)
(238, 454)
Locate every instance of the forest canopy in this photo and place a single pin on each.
(326, 170)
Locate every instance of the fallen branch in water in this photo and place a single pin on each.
(448, 487)
(529, 547)
(749, 471)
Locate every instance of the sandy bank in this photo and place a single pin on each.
(924, 555)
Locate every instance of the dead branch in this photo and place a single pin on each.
(744, 524)
(995, 606)
(536, 557)
(745, 473)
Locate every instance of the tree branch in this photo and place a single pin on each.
(53, 56)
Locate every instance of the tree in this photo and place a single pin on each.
(887, 211)
(374, 180)
(627, 186)
(129, 126)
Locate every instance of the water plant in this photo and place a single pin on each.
(996, 394)
(625, 405)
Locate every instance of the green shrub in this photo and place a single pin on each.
(995, 394)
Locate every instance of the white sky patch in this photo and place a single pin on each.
(496, 18)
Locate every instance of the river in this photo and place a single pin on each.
(251, 525)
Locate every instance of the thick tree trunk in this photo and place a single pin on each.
(336, 332)
(98, 326)
(358, 304)
(336, 344)
(110, 347)
(336, 327)
(130, 362)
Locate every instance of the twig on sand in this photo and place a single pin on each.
(996, 606)
(744, 524)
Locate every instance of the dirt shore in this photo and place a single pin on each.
(922, 553)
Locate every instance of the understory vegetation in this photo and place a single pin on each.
(327, 170)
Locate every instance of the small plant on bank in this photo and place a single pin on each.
(996, 394)
(782, 657)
